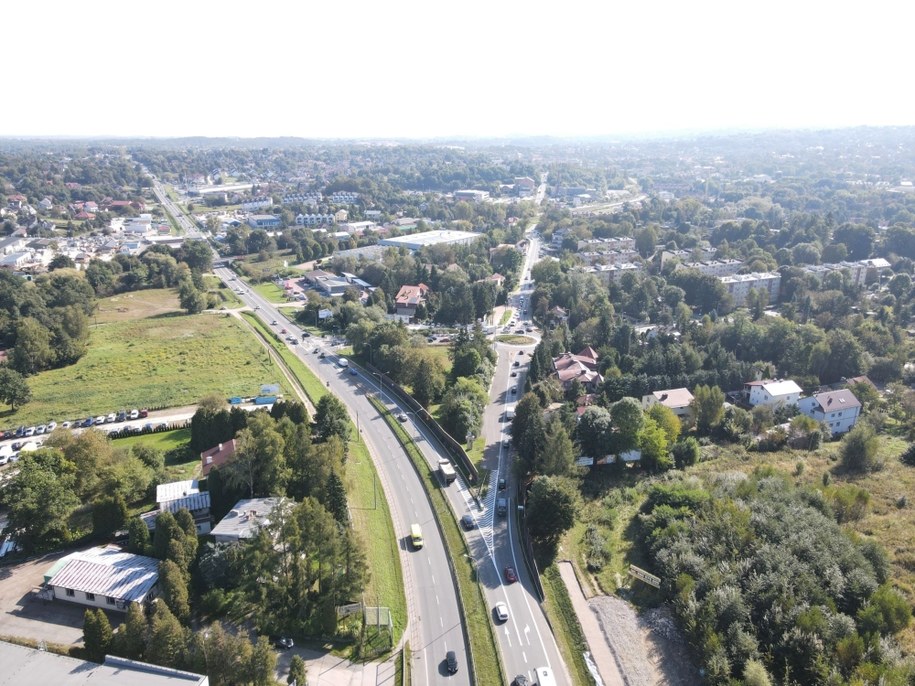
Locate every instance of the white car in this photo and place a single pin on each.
(501, 611)
(65, 425)
(111, 417)
(134, 414)
(51, 426)
(100, 419)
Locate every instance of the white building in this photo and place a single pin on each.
(175, 490)
(421, 240)
(740, 285)
(839, 410)
(245, 519)
(713, 267)
(677, 399)
(774, 393)
(471, 195)
(258, 203)
(105, 577)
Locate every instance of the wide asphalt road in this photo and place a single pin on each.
(434, 612)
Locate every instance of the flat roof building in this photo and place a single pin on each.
(421, 240)
(23, 665)
(245, 519)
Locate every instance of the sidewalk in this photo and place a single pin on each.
(603, 657)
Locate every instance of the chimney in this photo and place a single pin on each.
(663, 397)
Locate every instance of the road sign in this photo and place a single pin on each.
(642, 575)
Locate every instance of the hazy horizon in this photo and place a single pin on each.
(410, 71)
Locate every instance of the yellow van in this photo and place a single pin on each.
(416, 536)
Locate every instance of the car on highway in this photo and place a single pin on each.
(514, 375)
(521, 680)
(305, 334)
(257, 307)
(510, 575)
(274, 323)
(284, 331)
(506, 442)
(501, 612)
(514, 389)
(518, 362)
(451, 662)
(468, 522)
(353, 372)
(402, 417)
(502, 483)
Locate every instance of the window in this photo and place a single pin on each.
(109, 600)
(70, 593)
(90, 596)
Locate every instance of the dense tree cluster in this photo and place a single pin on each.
(758, 570)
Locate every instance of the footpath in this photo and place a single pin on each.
(600, 650)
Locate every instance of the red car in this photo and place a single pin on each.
(510, 575)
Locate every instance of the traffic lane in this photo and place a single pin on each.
(439, 621)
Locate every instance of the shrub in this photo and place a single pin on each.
(908, 457)
(859, 452)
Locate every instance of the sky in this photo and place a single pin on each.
(404, 69)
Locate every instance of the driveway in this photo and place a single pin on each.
(326, 669)
(22, 613)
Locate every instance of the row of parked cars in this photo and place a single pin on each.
(111, 418)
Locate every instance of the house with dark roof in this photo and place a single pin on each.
(216, 456)
(838, 410)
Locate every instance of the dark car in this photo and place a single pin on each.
(144, 414)
(89, 421)
(283, 642)
(514, 389)
(518, 362)
(514, 374)
(305, 334)
(451, 662)
(502, 483)
(468, 523)
(510, 575)
(122, 416)
(353, 372)
(520, 680)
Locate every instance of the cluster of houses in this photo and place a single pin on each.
(112, 579)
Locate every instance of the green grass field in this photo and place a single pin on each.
(168, 360)
(271, 292)
(165, 441)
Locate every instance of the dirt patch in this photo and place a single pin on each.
(648, 647)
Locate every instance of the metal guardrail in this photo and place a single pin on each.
(455, 450)
(527, 546)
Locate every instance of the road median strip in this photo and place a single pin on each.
(486, 667)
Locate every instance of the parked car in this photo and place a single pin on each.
(87, 422)
(65, 425)
(122, 416)
(100, 419)
(144, 414)
(283, 642)
(40, 429)
(110, 418)
(134, 414)
(28, 433)
(510, 575)
(51, 426)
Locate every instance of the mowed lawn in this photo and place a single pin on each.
(167, 360)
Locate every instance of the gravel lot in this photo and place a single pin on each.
(648, 648)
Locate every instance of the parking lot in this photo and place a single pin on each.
(23, 613)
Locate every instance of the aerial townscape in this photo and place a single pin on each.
(631, 412)
(491, 344)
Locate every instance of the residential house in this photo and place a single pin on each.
(775, 393)
(259, 202)
(245, 519)
(176, 489)
(677, 399)
(45, 204)
(581, 366)
(839, 410)
(217, 456)
(496, 278)
(409, 298)
(105, 577)
(314, 219)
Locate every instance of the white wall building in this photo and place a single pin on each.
(740, 285)
(104, 577)
(839, 410)
(677, 399)
(774, 393)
